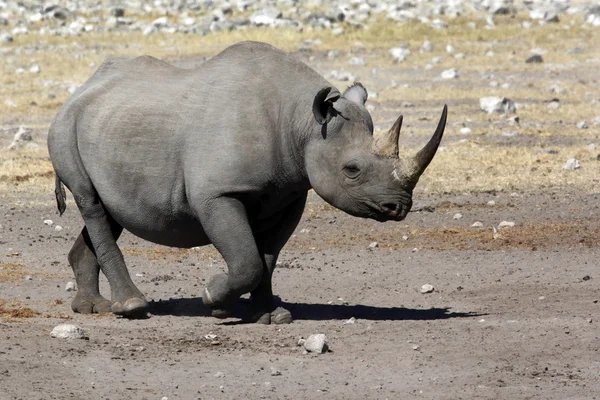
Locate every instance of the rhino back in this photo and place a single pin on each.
(153, 137)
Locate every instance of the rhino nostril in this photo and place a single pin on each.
(390, 207)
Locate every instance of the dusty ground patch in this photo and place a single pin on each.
(513, 314)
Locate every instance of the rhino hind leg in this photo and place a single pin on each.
(127, 300)
(86, 269)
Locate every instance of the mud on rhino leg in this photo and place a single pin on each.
(86, 269)
(126, 298)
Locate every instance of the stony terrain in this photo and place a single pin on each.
(488, 290)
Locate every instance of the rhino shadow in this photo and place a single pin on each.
(193, 307)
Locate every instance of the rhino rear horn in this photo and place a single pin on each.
(323, 104)
(386, 143)
(425, 155)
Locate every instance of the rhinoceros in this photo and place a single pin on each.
(224, 154)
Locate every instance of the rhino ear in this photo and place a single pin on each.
(323, 104)
(356, 93)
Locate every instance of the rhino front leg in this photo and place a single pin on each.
(263, 308)
(226, 224)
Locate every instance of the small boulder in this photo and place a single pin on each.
(451, 73)
(571, 164)
(70, 287)
(534, 59)
(506, 224)
(497, 104)
(69, 332)
(316, 344)
(427, 288)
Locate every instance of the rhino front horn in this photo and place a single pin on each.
(425, 155)
(386, 144)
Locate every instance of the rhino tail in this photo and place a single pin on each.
(61, 196)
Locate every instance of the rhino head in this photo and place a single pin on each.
(358, 172)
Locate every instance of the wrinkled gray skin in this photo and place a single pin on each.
(222, 154)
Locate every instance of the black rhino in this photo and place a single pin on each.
(222, 154)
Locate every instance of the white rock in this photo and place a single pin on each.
(28, 278)
(70, 287)
(553, 104)
(494, 104)
(404, 237)
(582, 125)
(160, 22)
(451, 73)
(316, 343)
(275, 372)
(373, 245)
(596, 120)
(465, 131)
(58, 228)
(477, 224)
(35, 69)
(399, 54)
(449, 48)
(341, 76)
(572, 163)
(427, 46)
(491, 203)
(48, 222)
(357, 61)
(427, 288)
(69, 331)
(219, 374)
(506, 224)
(350, 321)
(457, 216)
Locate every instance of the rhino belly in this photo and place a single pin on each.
(160, 228)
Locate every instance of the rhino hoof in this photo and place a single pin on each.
(281, 316)
(278, 316)
(97, 305)
(132, 308)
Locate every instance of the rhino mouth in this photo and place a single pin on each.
(388, 211)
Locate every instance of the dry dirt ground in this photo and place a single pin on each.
(514, 314)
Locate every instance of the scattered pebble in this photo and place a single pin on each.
(416, 347)
(275, 372)
(496, 104)
(534, 59)
(427, 288)
(571, 164)
(477, 224)
(69, 331)
(48, 222)
(70, 287)
(491, 203)
(350, 321)
(506, 224)
(374, 245)
(316, 343)
(553, 104)
(28, 278)
(341, 76)
(58, 228)
(450, 74)
(457, 216)
(465, 131)
(582, 125)
(399, 54)
(219, 374)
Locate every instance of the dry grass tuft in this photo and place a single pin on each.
(13, 311)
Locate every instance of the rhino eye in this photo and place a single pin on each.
(351, 171)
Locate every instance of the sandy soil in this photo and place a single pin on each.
(513, 315)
